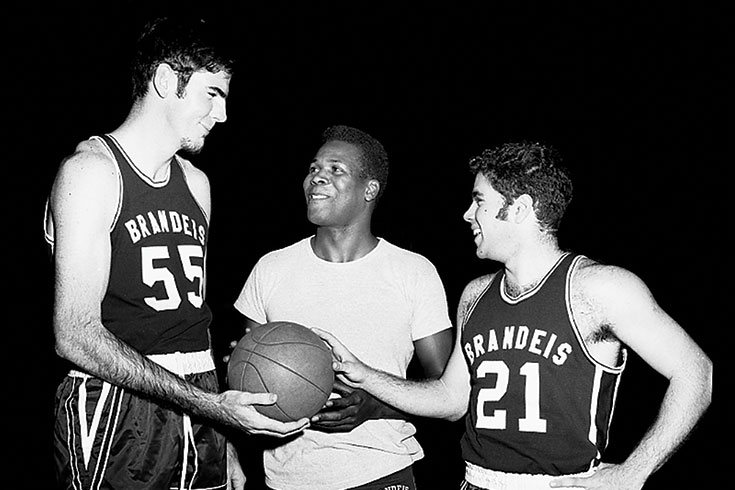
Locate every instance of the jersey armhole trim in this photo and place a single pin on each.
(120, 189)
(577, 333)
(188, 186)
(475, 302)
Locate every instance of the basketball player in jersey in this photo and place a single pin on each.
(128, 220)
(542, 343)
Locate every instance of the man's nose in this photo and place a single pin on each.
(219, 112)
(469, 215)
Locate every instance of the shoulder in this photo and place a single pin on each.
(193, 174)
(605, 296)
(409, 260)
(198, 183)
(90, 157)
(476, 287)
(601, 282)
(86, 189)
(471, 292)
(90, 170)
(286, 256)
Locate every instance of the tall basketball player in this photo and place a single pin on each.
(542, 343)
(128, 220)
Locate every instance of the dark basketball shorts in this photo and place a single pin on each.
(109, 438)
(400, 480)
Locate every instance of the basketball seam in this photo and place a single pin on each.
(265, 385)
(252, 352)
(279, 363)
(285, 342)
(290, 342)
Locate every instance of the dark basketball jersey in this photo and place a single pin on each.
(155, 297)
(539, 403)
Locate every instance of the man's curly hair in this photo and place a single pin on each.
(514, 169)
(185, 43)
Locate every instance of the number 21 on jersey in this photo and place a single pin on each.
(497, 419)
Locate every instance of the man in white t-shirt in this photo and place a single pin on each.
(384, 302)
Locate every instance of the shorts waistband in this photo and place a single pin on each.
(181, 363)
(499, 480)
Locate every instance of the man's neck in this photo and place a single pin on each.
(528, 268)
(342, 245)
(141, 138)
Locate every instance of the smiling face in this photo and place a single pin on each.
(488, 216)
(335, 191)
(202, 105)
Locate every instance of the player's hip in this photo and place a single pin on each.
(479, 478)
(105, 434)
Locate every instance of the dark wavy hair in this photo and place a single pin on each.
(514, 169)
(374, 158)
(186, 44)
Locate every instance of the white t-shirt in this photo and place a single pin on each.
(377, 306)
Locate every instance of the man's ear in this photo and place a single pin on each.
(165, 81)
(522, 208)
(372, 190)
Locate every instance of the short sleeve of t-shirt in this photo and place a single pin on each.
(431, 313)
(250, 302)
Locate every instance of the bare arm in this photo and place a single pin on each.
(623, 302)
(433, 352)
(446, 397)
(83, 203)
(357, 405)
(439, 398)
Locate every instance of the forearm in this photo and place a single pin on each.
(425, 398)
(102, 354)
(386, 411)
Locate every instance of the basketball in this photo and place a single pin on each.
(287, 359)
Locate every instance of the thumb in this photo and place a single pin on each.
(248, 398)
(340, 366)
(346, 369)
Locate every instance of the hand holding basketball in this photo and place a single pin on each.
(350, 369)
(287, 359)
(347, 411)
(240, 409)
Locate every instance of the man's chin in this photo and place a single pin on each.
(188, 147)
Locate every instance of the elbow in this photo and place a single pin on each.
(64, 349)
(457, 412)
(454, 417)
(67, 346)
(695, 379)
(708, 377)
(456, 403)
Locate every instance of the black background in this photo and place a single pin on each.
(635, 98)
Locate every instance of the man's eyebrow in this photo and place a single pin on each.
(219, 91)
